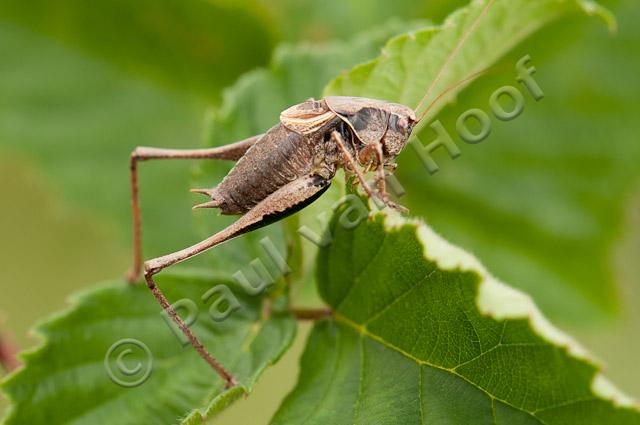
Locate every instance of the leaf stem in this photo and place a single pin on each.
(311, 313)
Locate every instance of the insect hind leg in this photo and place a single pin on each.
(229, 380)
(232, 152)
(286, 200)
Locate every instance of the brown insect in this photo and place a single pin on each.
(286, 169)
(281, 172)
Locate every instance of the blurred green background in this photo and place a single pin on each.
(81, 84)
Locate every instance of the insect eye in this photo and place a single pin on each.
(403, 124)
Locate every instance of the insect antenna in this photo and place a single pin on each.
(453, 87)
(451, 56)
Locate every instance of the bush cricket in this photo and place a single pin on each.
(287, 168)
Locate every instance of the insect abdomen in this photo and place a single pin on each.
(280, 157)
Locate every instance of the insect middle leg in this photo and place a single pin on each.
(231, 152)
(288, 198)
(339, 141)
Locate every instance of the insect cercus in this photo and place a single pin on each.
(285, 169)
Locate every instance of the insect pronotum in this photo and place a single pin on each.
(288, 167)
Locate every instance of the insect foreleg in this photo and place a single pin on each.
(284, 201)
(337, 138)
(232, 152)
(383, 196)
(380, 180)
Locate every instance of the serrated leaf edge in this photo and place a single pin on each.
(40, 331)
(499, 301)
(41, 328)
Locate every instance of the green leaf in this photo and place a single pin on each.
(554, 228)
(65, 380)
(541, 197)
(189, 44)
(253, 105)
(428, 61)
(422, 333)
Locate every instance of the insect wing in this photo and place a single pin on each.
(307, 117)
